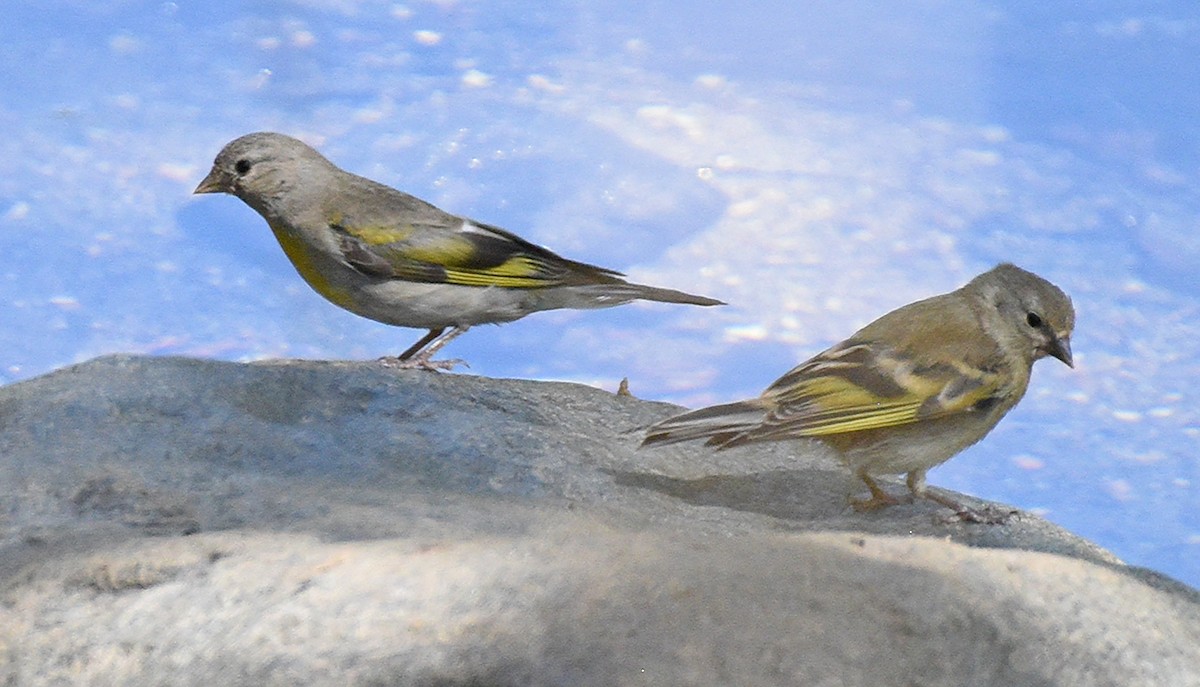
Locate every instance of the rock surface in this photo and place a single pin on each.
(176, 521)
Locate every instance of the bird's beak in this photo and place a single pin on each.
(213, 183)
(1060, 347)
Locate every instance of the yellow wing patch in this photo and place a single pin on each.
(833, 405)
(456, 259)
(519, 272)
(852, 393)
(377, 236)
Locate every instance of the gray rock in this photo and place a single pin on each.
(174, 521)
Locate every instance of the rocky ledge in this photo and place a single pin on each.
(190, 522)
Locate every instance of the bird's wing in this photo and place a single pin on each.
(861, 385)
(445, 249)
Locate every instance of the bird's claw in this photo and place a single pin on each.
(419, 362)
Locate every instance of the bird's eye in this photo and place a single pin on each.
(242, 166)
(1034, 320)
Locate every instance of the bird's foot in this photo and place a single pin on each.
(879, 499)
(419, 356)
(988, 515)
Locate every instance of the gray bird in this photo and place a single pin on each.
(908, 391)
(394, 258)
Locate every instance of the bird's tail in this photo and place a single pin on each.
(610, 294)
(654, 293)
(720, 425)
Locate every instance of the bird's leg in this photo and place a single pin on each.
(879, 497)
(916, 485)
(989, 515)
(419, 355)
(422, 343)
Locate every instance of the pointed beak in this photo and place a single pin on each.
(1060, 348)
(213, 183)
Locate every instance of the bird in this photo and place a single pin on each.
(908, 391)
(391, 257)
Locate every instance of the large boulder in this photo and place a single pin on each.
(189, 522)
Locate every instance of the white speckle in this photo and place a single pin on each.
(166, 266)
(1120, 490)
(264, 75)
(1127, 415)
(268, 43)
(704, 173)
(124, 44)
(1161, 411)
(1078, 397)
(127, 101)
(470, 228)
(746, 332)
(664, 116)
(1133, 286)
(474, 78)
(790, 322)
(980, 158)
(726, 162)
(1123, 29)
(1181, 482)
(401, 12)
(744, 208)
(542, 83)
(1149, 457)
(369, 115)
(303, 39)
(1193, 539)
(1026, 462)
(710, 80)
(635, 45)
(17, 211)
(64, 302)
(427, 38)
(176, 171)
(995, 134)
(475, 163)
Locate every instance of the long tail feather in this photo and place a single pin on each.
(655, 293)
(610, 294)
(718, 424)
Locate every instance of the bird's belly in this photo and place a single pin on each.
(416, 304)
(919, 446)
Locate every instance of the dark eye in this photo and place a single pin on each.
(242, 166)
(1034, 320)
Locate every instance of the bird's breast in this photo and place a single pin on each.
(313, 267)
